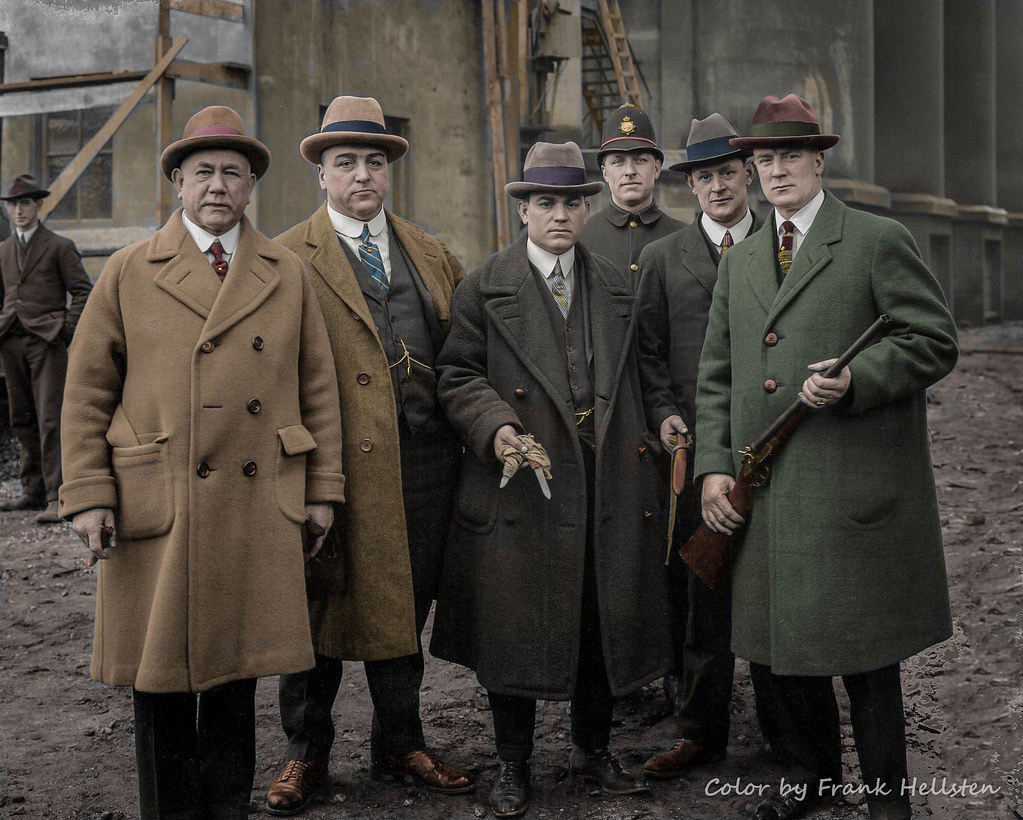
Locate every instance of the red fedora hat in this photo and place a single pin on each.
(788, 121)
(25, 186)
(216, 126)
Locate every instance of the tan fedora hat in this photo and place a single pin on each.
(788, 121)
(216, 126)
(709, 141)
(555, 167)
(353, 120)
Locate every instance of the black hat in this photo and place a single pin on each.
(25, 187)
(628, 128)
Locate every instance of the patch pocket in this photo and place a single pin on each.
(289, 483)
(477, 501)
(145, 501)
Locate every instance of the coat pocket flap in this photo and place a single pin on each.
(296, 439)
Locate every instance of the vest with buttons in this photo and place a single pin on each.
(400, 316)
(577, 349)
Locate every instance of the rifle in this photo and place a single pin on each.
(708, 553)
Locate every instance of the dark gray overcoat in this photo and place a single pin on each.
(511, 590)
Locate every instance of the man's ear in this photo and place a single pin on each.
(178, 179)
(520, 206)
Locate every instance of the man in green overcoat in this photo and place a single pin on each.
(839, 569)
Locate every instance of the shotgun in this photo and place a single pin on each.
(708, 553)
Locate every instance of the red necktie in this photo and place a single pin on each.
(785, 251)
(726, 242)
(219, 262)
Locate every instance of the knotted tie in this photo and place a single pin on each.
(726, 242)
(559, 289)
(369, 253)
(219, 262)
(785, 250)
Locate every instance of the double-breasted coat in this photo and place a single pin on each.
(370, 616)
(206, 416)
(840, 567)
(510, 601)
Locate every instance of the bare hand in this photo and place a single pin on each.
(672, 429)
(818, 391)
(506, 436)
(718, 513)
(322, 514)
(89, 526)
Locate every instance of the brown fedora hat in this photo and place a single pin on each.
(628, 128)
(216, 126)
(353, 120)
(554, 167)
(788, 121)
(25, 185)
(709, 141)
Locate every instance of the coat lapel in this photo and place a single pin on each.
(186, 274)
(329, 262)
(695, 256)
(36, 247)
(755, 257)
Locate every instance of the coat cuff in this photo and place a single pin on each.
(324, 488)
(481, 434)
(87, 494)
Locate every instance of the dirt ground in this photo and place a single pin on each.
(66, 741)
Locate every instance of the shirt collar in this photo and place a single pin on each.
(544, 260)
(804, 217)
(27, 235)
(648, 216)
(349, 226)
(203, 238)
(716, 231)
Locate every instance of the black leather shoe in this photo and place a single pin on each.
(778, 806)
(23, 502)
(602, 767)
(510, 795)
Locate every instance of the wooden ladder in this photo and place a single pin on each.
(620, 52)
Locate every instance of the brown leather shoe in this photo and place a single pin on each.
(294, 786)
(679, 759)
(425, 767)
(49, 515)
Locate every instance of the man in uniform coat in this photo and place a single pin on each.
(561, 598)
(201, 429)
(38, 269)
(630, 161)
(839, 569)
(385, 287)
(678, 277)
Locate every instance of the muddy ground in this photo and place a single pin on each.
(66, 741)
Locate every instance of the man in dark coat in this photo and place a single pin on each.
(678, 277)
(631, 162)
(38, 269)
(839, 570)
(385, 289)
(560, 598)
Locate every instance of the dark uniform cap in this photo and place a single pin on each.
(628, 128)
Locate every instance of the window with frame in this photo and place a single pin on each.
(62, 135)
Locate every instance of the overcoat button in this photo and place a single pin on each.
(362, 378)
(770, 385)
(771, 339)
(633, 266)
(365, 445)
(202, 470)
(249, 468)
(520, 393)
(634, 224)
(254, 406)
(257, 342)
(207, 346)
(647, 514)
(642, 451)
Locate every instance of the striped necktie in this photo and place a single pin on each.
(785, 249)
(726, 242)
(369, 253)
(559, 289)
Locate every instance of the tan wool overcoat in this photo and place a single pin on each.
(206, 416)
(370, 616)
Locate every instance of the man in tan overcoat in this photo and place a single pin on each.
(201, 429)
(385, 287)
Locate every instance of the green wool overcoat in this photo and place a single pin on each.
(205, 415)
(840, 567)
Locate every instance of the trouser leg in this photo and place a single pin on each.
(227, 748)
(166, 751)
(48, 364)
(24, 422)
(514, 721)
(306, 700)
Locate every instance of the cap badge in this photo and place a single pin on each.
(627, 126)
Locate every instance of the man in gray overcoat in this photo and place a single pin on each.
(559, 598)
(839, 569)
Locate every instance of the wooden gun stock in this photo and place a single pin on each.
(709, 553)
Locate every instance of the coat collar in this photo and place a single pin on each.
(618, 217)
(696, 258)
(36, 246)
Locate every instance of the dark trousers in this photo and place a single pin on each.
(799, 715)
(34, 370)
(196, 754)
(701, 621)
(428, 471)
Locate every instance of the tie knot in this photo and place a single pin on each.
(788, 227)
(365, 232)
(217, 250)
(557, 268)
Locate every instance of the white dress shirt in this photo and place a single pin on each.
(802, 219)
(350, 231)
(26, 236)
(544, 261)
(204, 239)
(716, 231)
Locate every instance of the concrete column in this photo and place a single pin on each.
(1009, 156)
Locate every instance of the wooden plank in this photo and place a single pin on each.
(231, 75)
(164, 113)
(73, 81)
(496, 124)
(62, 184)
(522, 11)
(209, 8)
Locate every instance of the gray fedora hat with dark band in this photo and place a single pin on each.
(708, 141)
(554, 167)
(350, 120)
